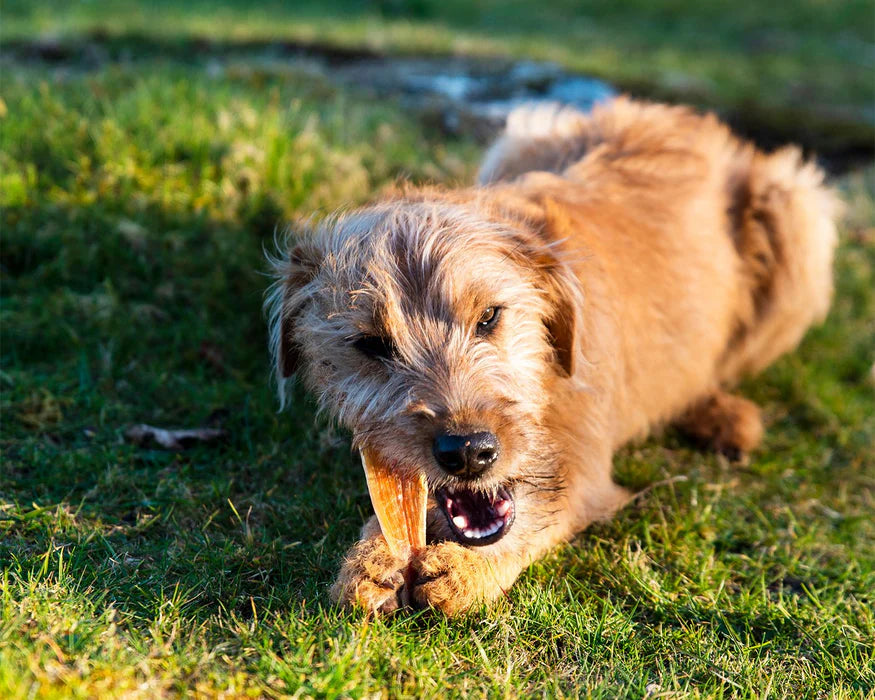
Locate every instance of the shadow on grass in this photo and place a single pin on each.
(101, 332)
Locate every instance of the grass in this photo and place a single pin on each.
(136, 200)
(795, 53)
(801, 69)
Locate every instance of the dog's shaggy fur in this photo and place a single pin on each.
(642, 259)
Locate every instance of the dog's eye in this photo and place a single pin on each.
(375, 346)
(488, 319)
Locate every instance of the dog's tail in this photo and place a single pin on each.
(538, 136)
(784, 229)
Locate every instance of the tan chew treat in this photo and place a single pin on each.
(399, 501)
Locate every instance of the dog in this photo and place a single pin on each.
(611, 273)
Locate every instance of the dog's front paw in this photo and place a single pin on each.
(452, 578)
(371, 577)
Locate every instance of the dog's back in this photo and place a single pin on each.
(547, 137)
(670, 162)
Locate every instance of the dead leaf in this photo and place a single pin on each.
(171, 439)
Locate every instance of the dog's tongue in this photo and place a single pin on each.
(399, 501)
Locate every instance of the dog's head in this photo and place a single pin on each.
(434, 331)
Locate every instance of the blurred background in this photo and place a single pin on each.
(149, 152)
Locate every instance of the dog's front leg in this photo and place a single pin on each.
(446, 576)
(454, 578)
(371, 576)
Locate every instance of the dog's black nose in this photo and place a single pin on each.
(466, 456)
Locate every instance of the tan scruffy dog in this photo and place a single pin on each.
(611, 273)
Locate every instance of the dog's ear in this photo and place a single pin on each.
(563, 287)
(296, 271)
(562, 324)
(541, 248)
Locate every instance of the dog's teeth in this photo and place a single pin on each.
(502, 507)
(460, 521)
(449, 503)
(476, 533)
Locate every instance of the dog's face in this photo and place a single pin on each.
(433, 334)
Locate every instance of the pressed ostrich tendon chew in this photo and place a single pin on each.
(399, 501)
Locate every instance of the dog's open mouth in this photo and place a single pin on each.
(477, 518)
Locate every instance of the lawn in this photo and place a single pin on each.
(139, 188)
